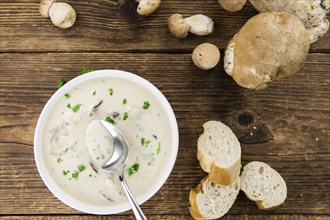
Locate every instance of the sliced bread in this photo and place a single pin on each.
(211, 201)
(263, 184)
(219, 153)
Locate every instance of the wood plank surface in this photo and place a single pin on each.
(294, 111)
(286, 125)
(170, 217)
(106, 25)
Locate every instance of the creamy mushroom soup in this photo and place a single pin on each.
(73, 154)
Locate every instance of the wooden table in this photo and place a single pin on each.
(292, 116)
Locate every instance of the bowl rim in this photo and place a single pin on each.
(40, 162)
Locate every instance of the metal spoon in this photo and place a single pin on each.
(117, 162)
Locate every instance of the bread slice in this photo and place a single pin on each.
(219, 153)
(211, 201)
(263, 184)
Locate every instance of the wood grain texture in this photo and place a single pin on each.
(106, 25)
(168, 217)
(286, 125)
(295, 110)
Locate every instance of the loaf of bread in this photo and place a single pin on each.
(219, 153)
(211, 201)
(263, 184)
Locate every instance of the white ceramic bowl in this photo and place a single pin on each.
(40, 132)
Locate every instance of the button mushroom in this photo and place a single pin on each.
(197, 24)
(232, 5)
(206, 56)
(312, 13)
(147, 7)
(61, 14)
(270, 46)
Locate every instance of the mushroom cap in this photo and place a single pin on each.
(200, 24)
(232, 5)
(44, 7)
(62, 14)
(177, 26)
(269, 46)
(147, 7)
(206, 56)
(312, 13)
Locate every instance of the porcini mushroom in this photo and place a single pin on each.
(197, 24)
(270, 46)
(312, 13)
(61, 14)
(147, 7)
(177, 26)
(232, 5)
(206, 56)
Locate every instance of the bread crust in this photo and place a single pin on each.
(225, 176)
(193, 209)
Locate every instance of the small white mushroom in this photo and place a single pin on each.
(200, 24)
(61, 14)
(206, 56)
(147, 7)
(177, 26)
(197, 24)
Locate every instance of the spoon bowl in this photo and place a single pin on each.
(116, 163)
(119, 157)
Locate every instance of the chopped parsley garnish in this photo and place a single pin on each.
(94, 93)
(124, 101)
(90, 175)
(150, 162)
(110, 91)
(110, 120)
(85, 70)
(76, 108)
(81, 167)
(59, 159)
(65, 172)
(68, 105)
(133, 169)
(67, 96)
(75, 175)
(158, 148)
(125, 116)
(145, 141)
(60, 83)
(146, 105)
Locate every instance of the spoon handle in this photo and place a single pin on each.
(135, 206)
